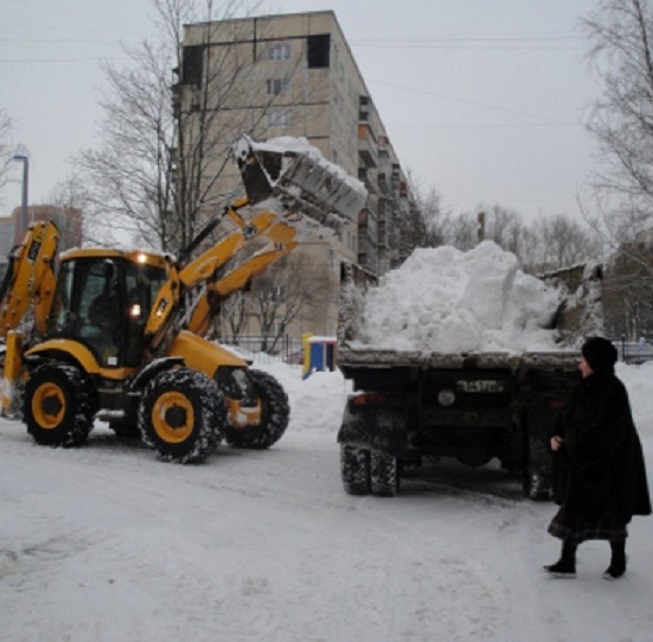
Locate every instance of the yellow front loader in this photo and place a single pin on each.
(120, 335)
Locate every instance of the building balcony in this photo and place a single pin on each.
(366, 178)
(367, 146)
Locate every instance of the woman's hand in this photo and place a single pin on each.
(556, 442)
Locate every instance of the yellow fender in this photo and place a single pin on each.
(202, 354)
(77, 351)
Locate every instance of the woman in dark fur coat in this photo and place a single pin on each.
(600, 475)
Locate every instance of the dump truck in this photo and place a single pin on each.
(120, 335)
(413, 406)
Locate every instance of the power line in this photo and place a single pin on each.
(493, 42)
(472, 103)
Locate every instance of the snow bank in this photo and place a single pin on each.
(316, 402)
(445, 300)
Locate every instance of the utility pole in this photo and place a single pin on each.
(24, 220)
(480, 227)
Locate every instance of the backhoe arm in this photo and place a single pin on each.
(30, 279)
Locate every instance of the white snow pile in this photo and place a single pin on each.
(445, 300)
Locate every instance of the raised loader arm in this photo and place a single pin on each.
(296, 191)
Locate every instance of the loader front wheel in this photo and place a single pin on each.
(275, 414)
(58, 405)
(181, 416)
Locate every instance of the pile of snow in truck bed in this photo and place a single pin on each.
(445, 300)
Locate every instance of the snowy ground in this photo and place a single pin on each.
(105, 543)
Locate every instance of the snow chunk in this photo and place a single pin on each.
(444, 300)
(300, 145)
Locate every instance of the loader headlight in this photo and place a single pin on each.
(446, 397)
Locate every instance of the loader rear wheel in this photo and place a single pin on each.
(58, 405)
(355, 469)
(275, 414)
(181, 416)
(384, 474)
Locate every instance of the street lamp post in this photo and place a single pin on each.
(24, 222)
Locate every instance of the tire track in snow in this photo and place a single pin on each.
(204, 599)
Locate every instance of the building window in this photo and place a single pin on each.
(279, 51)
(278, 118)
(192, 65)
(278, 86)
(318, 51)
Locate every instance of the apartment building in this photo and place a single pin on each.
(296, 76)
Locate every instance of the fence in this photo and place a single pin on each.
(634, 352)
(259, 348)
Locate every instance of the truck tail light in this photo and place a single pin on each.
(370, 399)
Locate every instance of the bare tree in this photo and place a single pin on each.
(70, 198)
(428, 223)
(6, 148)
(232, 318)
(564, 242)
(499, 224)
(621, 207)
(546, 244)
(621, 33)
(628, 295)
(289, 287)
(505, 227)
(163, 150)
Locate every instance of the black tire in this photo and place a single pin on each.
(537, 481)
(355, 469)
(182, 415)
(275, 414)
(384, 474)
(58, 405)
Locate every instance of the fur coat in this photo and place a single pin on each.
(600, 467)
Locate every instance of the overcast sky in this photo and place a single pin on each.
(484, 100)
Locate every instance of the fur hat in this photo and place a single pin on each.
(600, 355)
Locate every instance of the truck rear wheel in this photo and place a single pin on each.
(355, 469)
(182, 416)
(58, 405)
(275, 414)
(384, 474)
(537, 481)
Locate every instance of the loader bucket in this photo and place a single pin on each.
(295, 173)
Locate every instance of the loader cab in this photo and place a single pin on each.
(103, 300)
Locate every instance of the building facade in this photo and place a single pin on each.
(297, 77)
(67, 219)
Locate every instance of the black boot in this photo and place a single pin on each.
(566, 565)
(618, 562)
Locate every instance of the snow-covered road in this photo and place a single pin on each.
(106, 543)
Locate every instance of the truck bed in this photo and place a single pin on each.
(351, 357)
